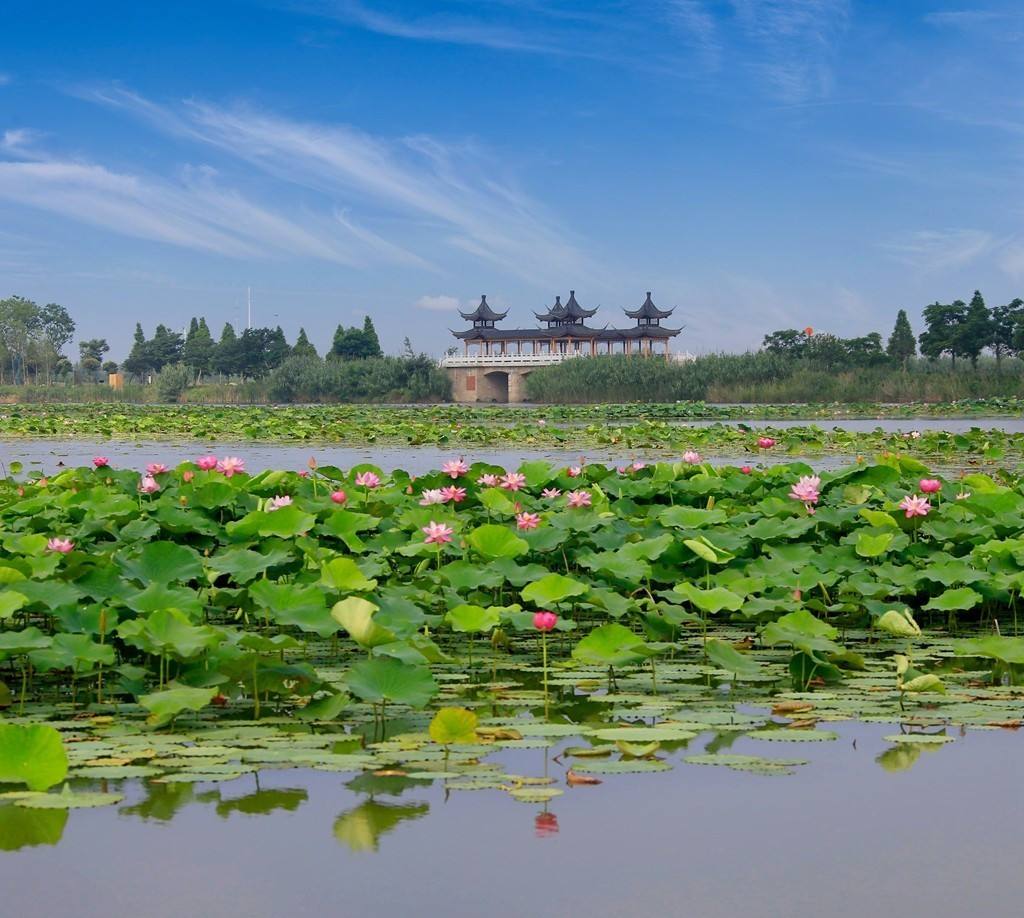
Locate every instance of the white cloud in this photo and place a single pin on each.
(18, 139)
(192, 213)
(440, 303)
(935, 250)
(450, 193)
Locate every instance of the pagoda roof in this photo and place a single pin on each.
(483, 312)
(583, 332)
(572, 311)
(647, 310)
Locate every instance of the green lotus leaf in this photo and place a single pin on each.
(68, 800)
(711, 601)
(1004, 649)
(163, 563)
(302, 607)
(33, 755)
(469, 619)
(343, 574)
(553, 588)
(164, 706)
(384, 679)
(956, 600)
(356, 616)
(453, 725)
(492, 541)
(613, 645)
(870, 545)
(729, 658)
(900, 624)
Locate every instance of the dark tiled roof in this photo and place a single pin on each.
(647, 310)
(566, 331)
(483, 313)
(570, 312)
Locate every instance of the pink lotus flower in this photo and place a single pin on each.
(311, 463)
(746, 469)
(60, 545)
(578, 499)
(915, 435)
(302, 473)
(623, 469)
(431, 496)
(542, 423)
(526, 520)
(806, 490)
(544, 621)
(574, 471)
(367, 480)
(156, 468)
(765, 442)
(914, 506)
(691, 457)
(453, 493)
(551, 493)
(513, 481)
(455, 467)
(207, 463)
(437, 533)
(148, 485)
(339, 497)
(638, 466)
(929, 485)
(187, 475)
(231, 465)
(101, 462)
(488, 480)
(276, 503)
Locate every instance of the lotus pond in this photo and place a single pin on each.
(682, 682)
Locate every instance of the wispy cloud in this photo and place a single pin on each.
(698, 26)
(193, 213)
(1001, 24)
(452, 193)
(934, 250)
(792, 43)
(18, 140)
(440, 303)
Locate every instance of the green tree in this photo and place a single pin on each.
(788, 342)
(19, 323)
(1006, 321)
(137, 363)
(197, 353)
(90, 353)
(165, 348)
(56, 328)
(975, 332)
(303, 347)
(942, 323)
(372, 341)
(227, 355)
(901, 345)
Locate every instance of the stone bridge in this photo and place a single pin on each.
(495, 377)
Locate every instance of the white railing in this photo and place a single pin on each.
(505, 360)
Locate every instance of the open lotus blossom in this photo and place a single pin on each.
(746, 469)
(455, 467)
(437, 533)
(207, 463)
(638, 465)
(339, 497)
(100, 462)
(551, 493)
(963, 495)
(544, 621)
(513, 481)
(156, 468)
(930, 485)
(231, 465)
(574, 471)
(60, 545)
(623, 469)
(915, 506)
(765, 442)
(488, 480)
(302, 473)
(691, 457)
(915, 435)
(807, 490)
(526, 520)
(578, 499)
(431, 496)
(148, 485)
(454, 494)
(276, 503)
(367, 480)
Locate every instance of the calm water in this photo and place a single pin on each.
(841, 837)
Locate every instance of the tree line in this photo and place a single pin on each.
(957, 330)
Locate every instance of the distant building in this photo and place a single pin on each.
(566, 333)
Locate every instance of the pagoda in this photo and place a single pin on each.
(566, 333)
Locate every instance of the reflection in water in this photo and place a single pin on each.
(545, 824)
(361, 828)
(162, 801)
(24, 828)
(264, 801)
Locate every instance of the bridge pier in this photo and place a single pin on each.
(471, 385)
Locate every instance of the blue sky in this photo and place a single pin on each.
(756, 163)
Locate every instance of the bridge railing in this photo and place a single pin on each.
(505, 360)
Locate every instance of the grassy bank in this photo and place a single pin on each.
(766, 378)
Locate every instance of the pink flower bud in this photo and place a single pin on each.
(544, 621)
